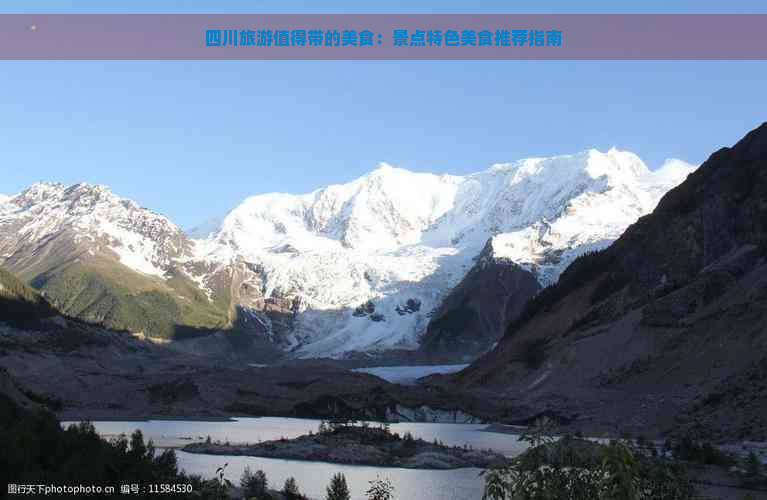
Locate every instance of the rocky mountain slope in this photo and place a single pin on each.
(362, 266)
(104, 259)
(475, 312)
(84, 371)
(664, 330)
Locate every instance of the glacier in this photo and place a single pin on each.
(364, 263)
(354, 268)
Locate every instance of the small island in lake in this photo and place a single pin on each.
(347, 442)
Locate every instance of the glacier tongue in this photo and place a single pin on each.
(365, 262)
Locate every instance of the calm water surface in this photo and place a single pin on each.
(313, 477)
(408, 375)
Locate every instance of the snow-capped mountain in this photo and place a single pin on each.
(351, 267)
(103, 258)
(359, 266)
(580, 203)
(92, 220)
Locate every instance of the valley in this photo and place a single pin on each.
(583, 290)
(387, 263)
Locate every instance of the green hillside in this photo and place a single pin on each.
(20, 305)
(115, 296)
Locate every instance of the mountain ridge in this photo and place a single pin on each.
(338, 248)
(664, 329)
(103, 259)
(296, 269)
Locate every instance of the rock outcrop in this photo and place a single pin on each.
(665, 330)
(476, 312)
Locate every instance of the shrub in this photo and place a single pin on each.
(290, 490)
(575, 469)
(704, 453)
(380, 489)
(254, 484)
(338, 490)
(33, 447)
(753, 465)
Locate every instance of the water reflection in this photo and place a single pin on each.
(313, 477)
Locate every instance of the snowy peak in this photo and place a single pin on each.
(353, 255)
(513, 196)
(95, 219)
(582, 203)
(671, 173)
(384, 209)
(616, 164)
(391, 207)
(355, 266)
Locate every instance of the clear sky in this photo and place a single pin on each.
(192, 139)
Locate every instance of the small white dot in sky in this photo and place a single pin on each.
(33, 27)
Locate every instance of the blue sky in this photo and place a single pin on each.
(192, 139)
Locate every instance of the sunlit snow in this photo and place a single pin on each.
(394, 235)
(92, 215)
(391, 237)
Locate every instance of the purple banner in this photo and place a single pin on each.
(383, 37)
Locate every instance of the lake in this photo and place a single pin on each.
(313, 477)
(407, 375)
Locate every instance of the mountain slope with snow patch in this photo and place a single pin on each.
(104, 259)
(360, 266)
(355, 267)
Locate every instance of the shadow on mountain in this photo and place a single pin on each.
(474, 314)
(388, 329)
(20, 305)
(236, 342)
(22, 314)
(663, 331)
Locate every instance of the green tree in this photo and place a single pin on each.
(254, 484)
(34, 446)
(338, 490)
(290, 489)
(380, 489)
(137, 447)
(575, 469)
(621, 473)
(753, 465)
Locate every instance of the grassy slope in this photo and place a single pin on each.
(117, 297)
(21, 305)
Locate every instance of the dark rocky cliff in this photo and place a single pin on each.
(476, 312)
(665, 330)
